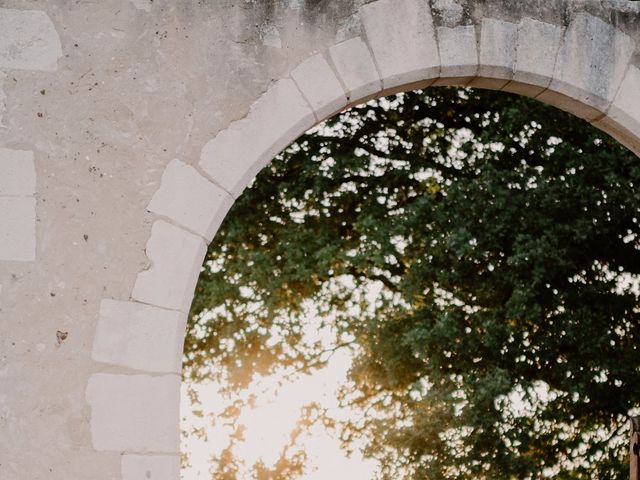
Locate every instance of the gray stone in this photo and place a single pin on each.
(356, 69)
(591, 62)
(402, 37)
(139, 336)
(28, 40)
(176, 256)
(134, 413)
(190, 200)
(17, 229)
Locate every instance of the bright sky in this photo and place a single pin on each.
(271, 421)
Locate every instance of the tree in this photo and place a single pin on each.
(501, 238)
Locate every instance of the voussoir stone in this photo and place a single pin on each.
(134, 413)
(591, 63)
(497, 53)
(318, 83)
(139, 336)
(239, 152)
(190, 200)
(623, 119)
(356, 69)
(536, 52)
(176, 257)
(402, 37)
(458, 55)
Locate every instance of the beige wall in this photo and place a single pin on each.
(128, 127)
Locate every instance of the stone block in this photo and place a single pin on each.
(591, 63)
(497, 54)
(176, 257)
(18, 229)
(619, 132)
(569, 104)
(626, 107)
(402, 37)
(458, 55)
(139, 336)
(17, 172)
(134, 413)
(28, 41)
(150, 467)
(275, 120)
(623, 119)
(356, 69)
(190, 200)
(319, 85)
(536, 52)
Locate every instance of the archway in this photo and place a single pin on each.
(583, 69)
(586, 66)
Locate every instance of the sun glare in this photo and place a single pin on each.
(267, 425)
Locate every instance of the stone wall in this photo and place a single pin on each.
(128, 128)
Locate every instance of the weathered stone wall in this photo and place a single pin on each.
(127, 128)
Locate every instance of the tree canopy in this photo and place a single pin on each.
(478, 252)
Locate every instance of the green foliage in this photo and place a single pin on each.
(499, 237)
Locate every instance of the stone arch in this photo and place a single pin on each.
(585, 66)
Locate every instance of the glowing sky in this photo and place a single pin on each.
(271, 421)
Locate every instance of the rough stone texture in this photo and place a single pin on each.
(134, 413)
(320, 87)
(190, 200)
(107, 94)
(458, 54)
(139, 336)
(356, 69)
(450, 11)
(238, 153)
(592, 60)
(497, 53)
(536, 52)
(153, 467)
(176, 256)
(623, 119)
(28, 40)
(402, 37)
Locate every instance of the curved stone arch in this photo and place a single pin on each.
(585, 68)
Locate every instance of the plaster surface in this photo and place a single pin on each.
(121, 120)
